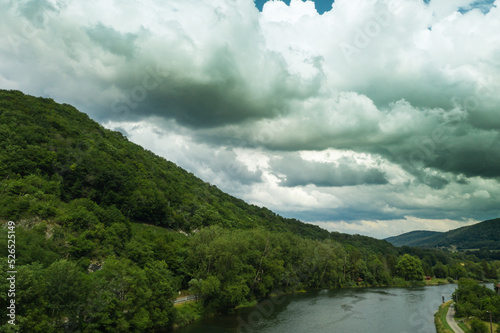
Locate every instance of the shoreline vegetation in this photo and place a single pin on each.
(440, 321)
(464, 323)
(477, 308)
(191, 313)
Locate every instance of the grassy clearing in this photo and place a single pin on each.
(440, 319)
(435, 282)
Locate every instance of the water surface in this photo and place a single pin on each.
(373, 310)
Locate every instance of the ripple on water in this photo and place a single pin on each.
(357, 298)
(346, 307)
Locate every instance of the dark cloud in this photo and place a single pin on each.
(345, 172)
(224, 84)
(37, 11)
(121, 130)
(417, 139)
(121, 44)
(476, 208)
(222, 97)
(455, 148)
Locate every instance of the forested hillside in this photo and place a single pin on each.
(412, 238)
(62, 155)
(107, 233)
(483, 235)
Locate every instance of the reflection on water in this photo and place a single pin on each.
(382, 292)
(378, 310)
(415, 295)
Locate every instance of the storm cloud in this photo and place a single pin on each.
(373, 111)
(346, 172)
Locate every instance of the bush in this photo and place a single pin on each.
(477, 326)
(187, 313)
(400, 282)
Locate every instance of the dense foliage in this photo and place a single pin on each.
(478, 326)
(53, 153)
(107, 233)
(410, 268)
(475, 300)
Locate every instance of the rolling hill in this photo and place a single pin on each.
(485, 234)
(55, 159)
(413, 238)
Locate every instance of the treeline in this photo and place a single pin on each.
(455, 266)
(125, 281)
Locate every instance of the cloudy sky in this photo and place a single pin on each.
(374, 117)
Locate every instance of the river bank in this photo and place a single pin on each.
(192, 311)
(446, 319)
(376, 310)
(440, 321)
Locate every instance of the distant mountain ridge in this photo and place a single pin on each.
(413, 238)
(485, 234)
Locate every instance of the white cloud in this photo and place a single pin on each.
(278, 11)
(386, 228)
(405, 88)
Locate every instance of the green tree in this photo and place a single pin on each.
(410, 268)
(32, 304)
(379, 273)
(440, 270)
(67, 291)
(457, 271)
(119, 298)
(160, 306)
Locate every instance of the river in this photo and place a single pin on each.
(360, 310)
